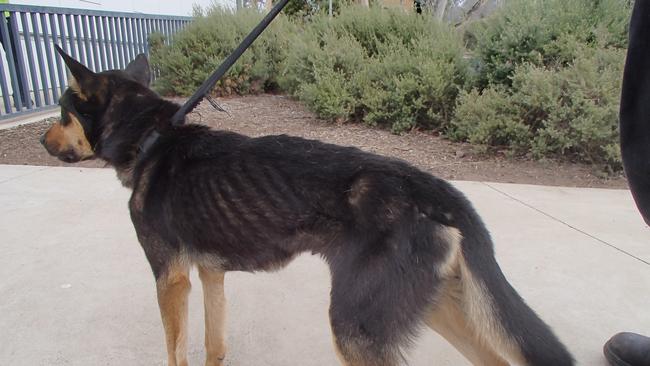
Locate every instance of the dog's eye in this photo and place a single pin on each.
(86, 116)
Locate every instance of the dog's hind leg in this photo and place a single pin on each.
(447, 314)
(173, 287)
(359, 351)
(448, 319)
(485, 319)
(215, 315)
(376, 302)
(349, 355)
(363, 324)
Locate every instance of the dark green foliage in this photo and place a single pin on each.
(384, 67)
(540, 76)
(548, 80)
(545, 33)
(572, 111)
(196, 52)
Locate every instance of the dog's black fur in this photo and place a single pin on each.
(397, 240)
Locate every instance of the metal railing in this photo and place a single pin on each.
(33, 76)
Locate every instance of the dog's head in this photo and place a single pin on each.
(87, 103)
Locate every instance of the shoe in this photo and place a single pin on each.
(628, 349)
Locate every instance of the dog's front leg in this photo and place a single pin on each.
(215, 315)
(173, 288)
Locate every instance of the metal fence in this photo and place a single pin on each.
(33, 76)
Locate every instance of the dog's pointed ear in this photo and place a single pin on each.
(79, 75)
(138, 69)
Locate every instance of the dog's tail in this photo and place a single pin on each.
(496, 312)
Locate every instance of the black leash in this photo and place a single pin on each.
(179, 117)
(204, 89)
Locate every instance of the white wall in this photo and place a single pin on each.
(167, 7)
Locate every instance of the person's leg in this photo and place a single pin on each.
(630, 349)
(635, 109)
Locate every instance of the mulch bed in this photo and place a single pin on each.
(274, 114)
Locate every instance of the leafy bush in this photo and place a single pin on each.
(544, 33)
(548, 80)
(572, 111)
(383, 67)
(584, 122)
(539, 76)
(197, 51)
(320, 76)
(489, 118)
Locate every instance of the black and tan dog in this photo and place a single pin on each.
(404, 248)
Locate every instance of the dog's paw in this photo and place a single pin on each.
(216, 361)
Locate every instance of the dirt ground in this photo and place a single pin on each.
(274, 114)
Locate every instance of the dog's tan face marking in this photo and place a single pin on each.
(68, 141)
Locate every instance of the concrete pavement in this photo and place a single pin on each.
(75, 287)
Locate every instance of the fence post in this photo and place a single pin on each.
(30, 56)
(32, 77)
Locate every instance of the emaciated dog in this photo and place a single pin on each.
(404, 248)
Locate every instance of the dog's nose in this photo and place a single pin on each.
(42, 139)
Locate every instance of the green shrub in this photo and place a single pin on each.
(489, 118)
(539, 76)
(584, 121)
(309, 63)
(383, 67)
(408, 87)
(544, 33)
(547, 79)
(197, 51)
(571, 112)
(328, 96)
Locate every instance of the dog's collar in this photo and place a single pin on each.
(147, 142)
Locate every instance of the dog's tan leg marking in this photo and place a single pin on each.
(448, 317)
(450, 322)
(173, 289)
(215, 315)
